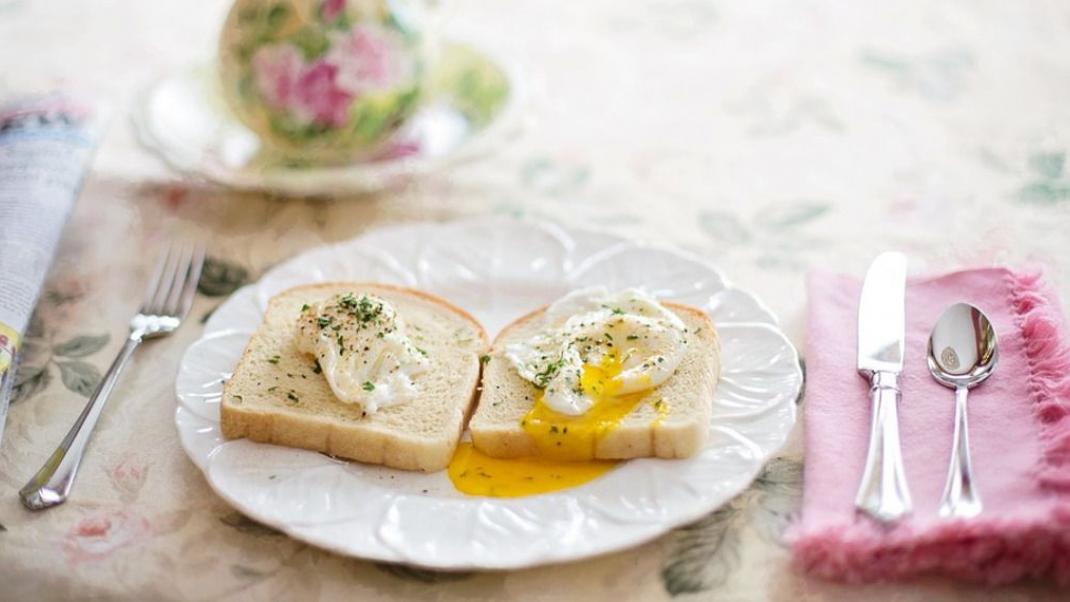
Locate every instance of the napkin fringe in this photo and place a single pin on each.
(1048, 358)
(991, 551)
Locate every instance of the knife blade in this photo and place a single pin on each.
(883, 491)
(881, 315)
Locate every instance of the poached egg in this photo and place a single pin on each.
(595, 344)
(596, 357)
(361, 347)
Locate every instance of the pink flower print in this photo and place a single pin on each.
(96, 537)
(317, 97)
(276, 69)
(128, 477)
(330, 9)
(369, 58)
(175, 196)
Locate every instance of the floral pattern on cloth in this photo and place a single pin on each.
(768, 137)
(96, 537)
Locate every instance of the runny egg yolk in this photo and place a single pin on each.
(573, 438)
(566, 444)
(475, 473)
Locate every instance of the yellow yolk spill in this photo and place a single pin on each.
(566, 443)
(476, 473)
(573, 438)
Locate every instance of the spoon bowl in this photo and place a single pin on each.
(963, 352)
(963, 349)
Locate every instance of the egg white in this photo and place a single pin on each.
(587, 326)
(366, 358)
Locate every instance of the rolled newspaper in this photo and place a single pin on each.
(46, 144)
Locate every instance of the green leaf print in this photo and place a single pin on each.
(1048, 165)
(779, 489)
(1044, 192)
(81, 346)
(287, 127)
(703, 554)
(723, 227)
(277, 15)
(311, 42)
(220, 277)
(29, 381)
(79, 377)
(784, 216)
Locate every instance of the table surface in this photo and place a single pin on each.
(771, 137)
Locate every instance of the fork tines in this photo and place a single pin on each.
(174, 280)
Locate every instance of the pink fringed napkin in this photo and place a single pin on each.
(1019, 436)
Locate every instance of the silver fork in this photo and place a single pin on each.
(167, 301)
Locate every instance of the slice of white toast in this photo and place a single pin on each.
(670, 421)
(278, 394)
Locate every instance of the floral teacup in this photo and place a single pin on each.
(327, 81)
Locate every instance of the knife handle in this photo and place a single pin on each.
(883, 493)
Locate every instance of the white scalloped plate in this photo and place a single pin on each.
(496, 268)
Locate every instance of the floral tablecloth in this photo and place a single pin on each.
(768, 136)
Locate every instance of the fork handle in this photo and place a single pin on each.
(52, 483)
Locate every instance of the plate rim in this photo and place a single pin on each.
(637, 536)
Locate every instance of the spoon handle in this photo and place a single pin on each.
(883, 492)
(961, 498)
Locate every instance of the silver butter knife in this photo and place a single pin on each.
(883, 492)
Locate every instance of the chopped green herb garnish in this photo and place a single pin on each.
(368, 385)
(306, 307)
(273, 359)
(544, 376)
(484, 359)
(632, 337)
(323, 321)
(364, 309)
(347, 301)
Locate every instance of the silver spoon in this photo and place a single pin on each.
(963, 352)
